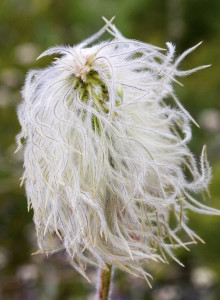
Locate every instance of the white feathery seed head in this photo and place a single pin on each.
(107, 166)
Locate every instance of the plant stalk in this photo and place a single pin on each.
(104, 284)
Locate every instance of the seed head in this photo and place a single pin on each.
(107, 166)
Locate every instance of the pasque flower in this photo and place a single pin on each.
(107, 166)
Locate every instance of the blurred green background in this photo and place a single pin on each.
(27, 27)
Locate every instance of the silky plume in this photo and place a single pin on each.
(107, 166)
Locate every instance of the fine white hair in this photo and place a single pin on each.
(107, 166)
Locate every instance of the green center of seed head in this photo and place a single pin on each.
(95, 89)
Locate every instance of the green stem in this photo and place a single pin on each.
(104, 283)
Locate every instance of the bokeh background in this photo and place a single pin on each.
(27, 27)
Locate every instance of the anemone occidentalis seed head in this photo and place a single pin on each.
(106, 160)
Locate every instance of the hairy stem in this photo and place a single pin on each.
(104, 283)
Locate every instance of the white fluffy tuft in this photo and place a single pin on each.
(106, 160)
